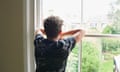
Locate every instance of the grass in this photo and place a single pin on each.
(107, 66)
(107, 63)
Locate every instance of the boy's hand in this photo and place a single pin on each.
(39, 31)
(43, 32)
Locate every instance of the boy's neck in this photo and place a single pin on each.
(54, 39)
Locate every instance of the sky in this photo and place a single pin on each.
(93, 8)
(72, 8)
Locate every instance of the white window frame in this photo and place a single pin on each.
(28, 35)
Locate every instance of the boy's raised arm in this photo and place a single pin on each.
(77, 34)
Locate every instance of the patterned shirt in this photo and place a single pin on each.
(51, 56)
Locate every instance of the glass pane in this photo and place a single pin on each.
(68, 10)
(72, 64)
(101, 16)
(100, 54)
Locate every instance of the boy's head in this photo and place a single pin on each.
(53, 26)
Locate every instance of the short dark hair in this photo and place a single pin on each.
(52, 26)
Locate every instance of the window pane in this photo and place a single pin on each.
(100, 54)
(68, 10)
(73, 62)
(101, 16)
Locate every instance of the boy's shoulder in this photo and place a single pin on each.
(67, 41)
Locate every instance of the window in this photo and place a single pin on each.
(68, 10)
(101, 20)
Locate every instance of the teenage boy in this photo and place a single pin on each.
(51, 53)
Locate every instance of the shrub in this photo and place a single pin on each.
(90, 58)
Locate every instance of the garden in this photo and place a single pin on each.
(95, 58)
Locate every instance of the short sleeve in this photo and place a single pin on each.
(69, 43)
(38, 39)
(38, 36)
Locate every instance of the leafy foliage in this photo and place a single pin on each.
(108, 30)
(110, 44)
(72, 64)
(90, 58)
(114, 16)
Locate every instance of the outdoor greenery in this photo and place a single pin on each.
(94, 60)
(108, 30)
(90, 57)
(72, 64)
(114, 16)
(110, 44)
(107, 66)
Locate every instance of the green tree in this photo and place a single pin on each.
(108, 30)
(109, 45)
(114, 15)
(90, 57)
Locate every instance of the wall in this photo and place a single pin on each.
(11, 36)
